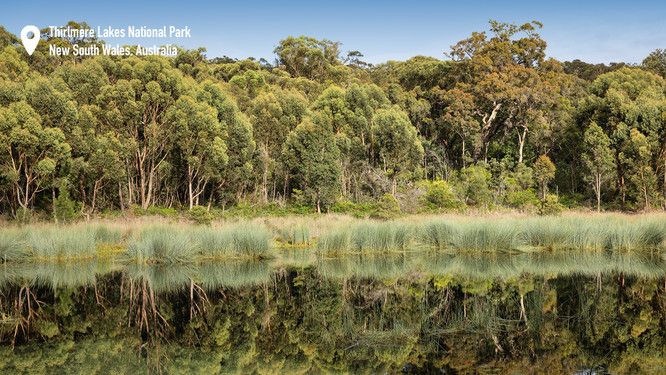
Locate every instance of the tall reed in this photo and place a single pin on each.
(239, 240)
(12, 245)
(64, 243)
(162, 244)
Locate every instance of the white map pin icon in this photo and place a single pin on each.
(30, 43)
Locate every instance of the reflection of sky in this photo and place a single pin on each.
(593, 31)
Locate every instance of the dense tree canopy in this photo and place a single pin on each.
(324, 129)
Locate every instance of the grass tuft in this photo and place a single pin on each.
(162, 244)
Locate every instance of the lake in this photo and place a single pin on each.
(563, 312)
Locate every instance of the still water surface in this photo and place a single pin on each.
(567, 313)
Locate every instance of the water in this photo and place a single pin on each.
(530, 313)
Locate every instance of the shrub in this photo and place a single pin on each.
(360, 210)
(66, 210)
(200, 215)
(387, 208)
(474, 186)
(439, 195)
(167, 212)
(550, 205)
(522, 199)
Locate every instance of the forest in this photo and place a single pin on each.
(494, 123)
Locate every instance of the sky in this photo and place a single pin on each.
(592, 31)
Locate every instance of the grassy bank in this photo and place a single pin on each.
(169, 242)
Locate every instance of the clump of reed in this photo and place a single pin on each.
(367, 237)
(12, 245)
(479, 235)
(485, 236)
(162, 244)
(335, 242)
(640, 235)
(546, 233)
(235, 241)
(609, 233)
(437, 234)
(297, 236)
(106, 235)
(61, 243)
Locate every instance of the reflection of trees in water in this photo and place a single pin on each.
(20, 308)
(341, 317)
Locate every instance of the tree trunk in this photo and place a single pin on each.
(264, 178)
(189, 186)
(521, 143)
(598, 191)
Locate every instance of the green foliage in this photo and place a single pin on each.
(598, 159)
(308, 57)
(151, 131)
(359, 210)
(387, 208)
(550, 205)
(439, 195)
(544, 172)
(311, 155)
(473, 186)
(66, 210)
(522, 199)
(398, 146)
(166, 212)
(656, 62)
(200, 215)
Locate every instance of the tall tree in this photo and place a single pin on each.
(656, 62)
(310, 155)
(397, 143)
(544, 172)
(308, 57)
(32, 152)
(598, 159)
(274, 114)
(200, 140)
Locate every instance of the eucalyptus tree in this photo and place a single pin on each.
(625, 100)
(598, 159)
(199, 139)
(136, 105)
(238, 136)
(273, 115)
(310, 155)
(500, 73)
(31, 154)
(397, 143)
(308, 57)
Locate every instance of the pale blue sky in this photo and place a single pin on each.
(593, 31)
